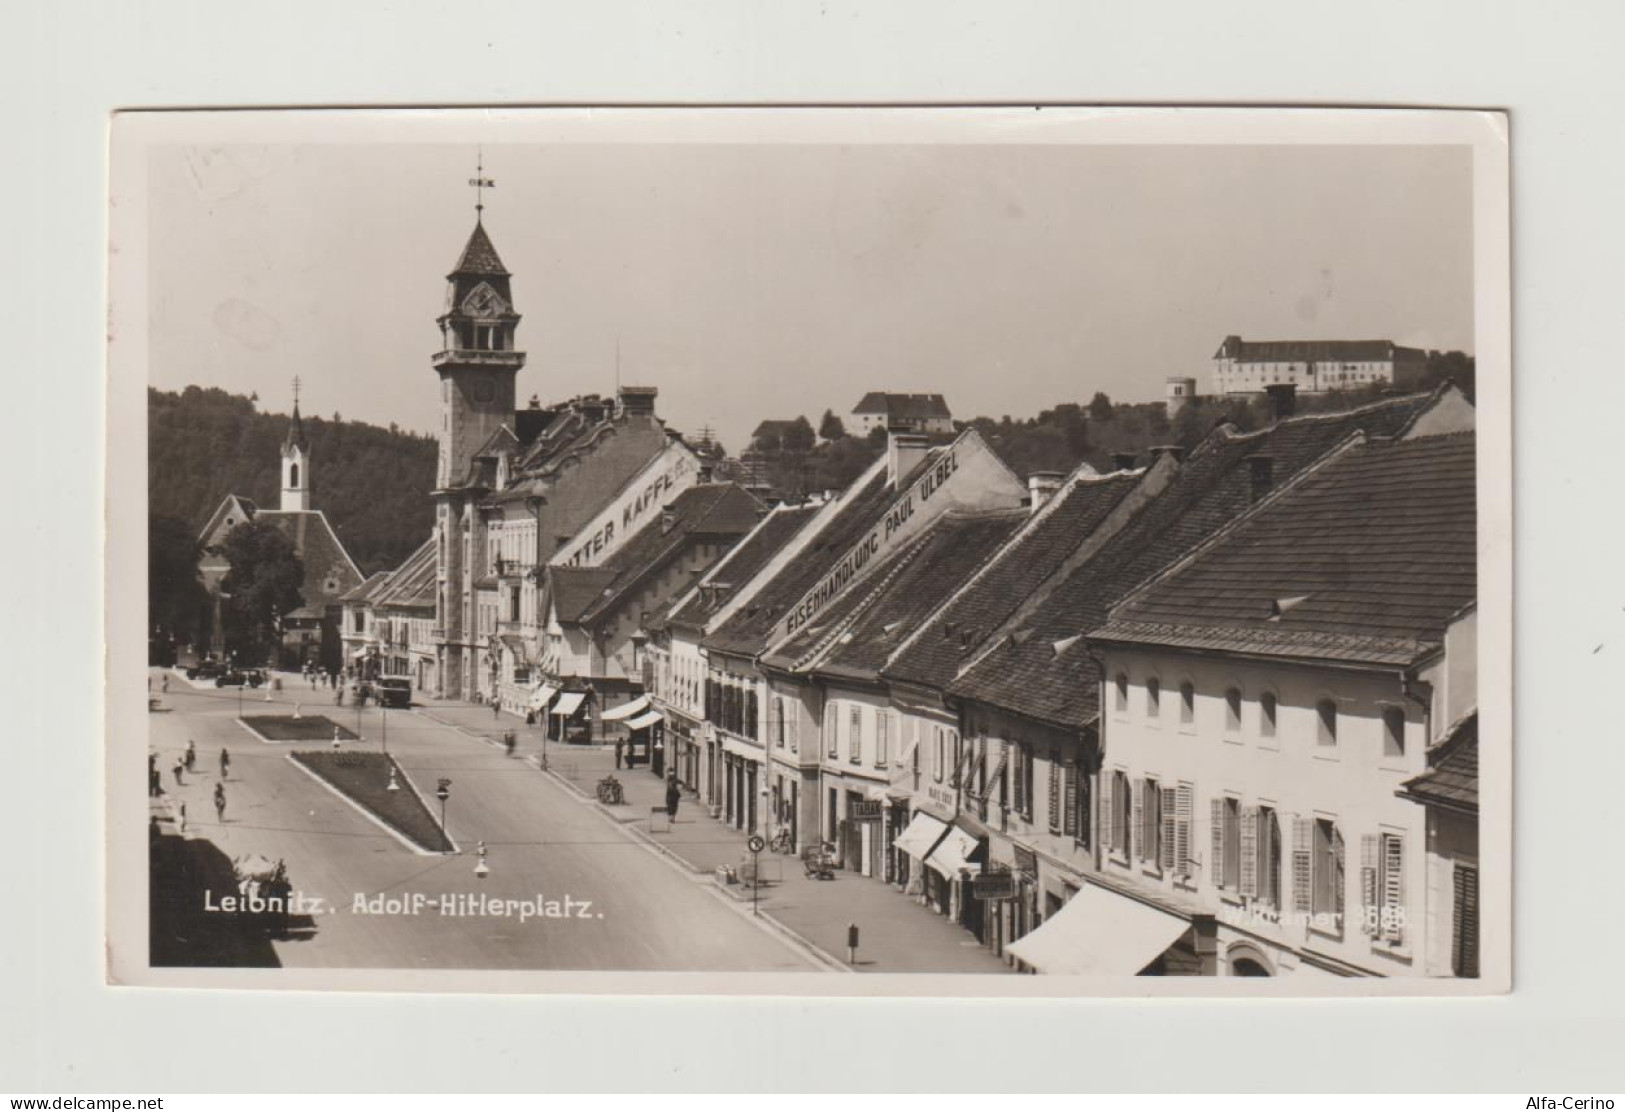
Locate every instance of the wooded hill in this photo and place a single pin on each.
(373, 483)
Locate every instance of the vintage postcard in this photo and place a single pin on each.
(937, 551)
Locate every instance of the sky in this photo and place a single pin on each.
(751, 281)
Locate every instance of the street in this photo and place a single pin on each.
(604, 901)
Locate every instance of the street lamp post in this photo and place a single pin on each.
(443, 792)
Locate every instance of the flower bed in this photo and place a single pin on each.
(364, 778)
(285, 727)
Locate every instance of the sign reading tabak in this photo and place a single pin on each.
(964, 475)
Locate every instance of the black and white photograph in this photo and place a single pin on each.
(954, 551)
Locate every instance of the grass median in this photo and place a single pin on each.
(364, 778)
(307, 727)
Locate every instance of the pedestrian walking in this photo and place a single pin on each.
(496, 707)
(674, 795)
(620, 746)
(191, 755)
(180, 817)
(180, 767)
(220, 802)
(155, 783)
(165, 685)
(225, 763)
(338, 697)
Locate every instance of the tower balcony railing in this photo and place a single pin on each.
(477, 357)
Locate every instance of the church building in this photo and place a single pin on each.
(310, 633)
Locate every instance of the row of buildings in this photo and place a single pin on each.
(1208, 713)
(1305, 366)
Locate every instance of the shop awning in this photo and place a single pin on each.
(953, 853)
(636, 706)
(644, 721)
(542, 696)
(1099, 933)
(921, 835)
(358, 654)
(568, 703)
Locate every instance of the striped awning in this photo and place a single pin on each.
(568, 703)
(644, 721)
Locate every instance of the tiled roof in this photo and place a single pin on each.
(1034, 554)
(1042, 670)
(363, 592)
(1452, 776)
(742, 564)
(479, 256)
(710, 512)
(903, 406)
(856, 634)
(1368, 557)
(319, 548)
(573, 590)
(410, 586)
(747, 631)
(1314, 351)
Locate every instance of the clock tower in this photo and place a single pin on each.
(477, 361)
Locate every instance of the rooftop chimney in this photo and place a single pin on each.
(1041, 487)
(1124, 461)
(904, 451)
(1262, 475)
(1283, 399)
(1159, 450)
(638, 400)
(668, 518)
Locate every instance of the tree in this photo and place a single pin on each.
(175, 595)
(798, 436)
(830, 427)
(1100, 407)
(262, 586)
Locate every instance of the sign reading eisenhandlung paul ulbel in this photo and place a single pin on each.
(747, 522)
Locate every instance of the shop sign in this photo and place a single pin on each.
(1026, 861)
(993, 886)
(868, 810)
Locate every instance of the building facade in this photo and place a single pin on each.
(1313, 366)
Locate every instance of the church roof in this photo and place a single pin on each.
(329, 572)
(480, 256)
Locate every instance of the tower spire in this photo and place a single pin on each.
(480, 183)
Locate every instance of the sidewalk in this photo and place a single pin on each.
(897, 935)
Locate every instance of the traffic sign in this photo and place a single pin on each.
(756, 844)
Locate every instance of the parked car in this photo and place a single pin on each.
(392, 691)
(205, 670)
(235, 678)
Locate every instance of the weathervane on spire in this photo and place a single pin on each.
(480, 183)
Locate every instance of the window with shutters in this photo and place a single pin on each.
(1055, 796)
(854, 739)
(1082, 811)
(1184, 818)
(1267, 867)
(1026, 789)
(1150, 823)
(939, 765)
(1326, 723)
(1232, 710)
(832, 744)
(914, 762)
(1391, 915)
(1121, 701)
(1266, 715)
(1153, 699)
(882, 738)
(1326, 875)
(775, 720)
(1187, 703)
(1231, 860)
(1393, 732)
(1018, 757)
(1464, 921)
(1120, 814)
(792, 724)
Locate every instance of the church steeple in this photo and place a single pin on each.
(296, 462)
